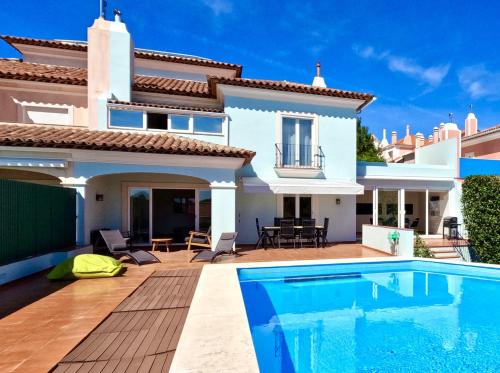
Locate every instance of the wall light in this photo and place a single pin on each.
(99, 197)
(337, 201)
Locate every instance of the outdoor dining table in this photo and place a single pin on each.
(268, 229)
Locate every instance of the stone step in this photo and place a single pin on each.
(446, 255)
(442, 249)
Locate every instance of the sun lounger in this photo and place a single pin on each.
(224, 246)
(117, 246)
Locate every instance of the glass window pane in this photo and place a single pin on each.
(139, 214)
(388, 208)
(125, 118)
(305, 207)
(305, 129)
(205, 209)
(207, 124)
(288, 139)
(179, 122)
(289, 207)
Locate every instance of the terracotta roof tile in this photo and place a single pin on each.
(481, 133)
(44, 136)
(170, 86)
(289, 87)
(143, 54)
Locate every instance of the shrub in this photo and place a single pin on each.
(421, 250)
(481, 211)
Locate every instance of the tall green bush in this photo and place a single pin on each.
(481, 210)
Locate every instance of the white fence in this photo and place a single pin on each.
(395, 241)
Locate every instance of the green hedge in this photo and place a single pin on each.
(481, 210)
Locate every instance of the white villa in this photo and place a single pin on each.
(159, 143)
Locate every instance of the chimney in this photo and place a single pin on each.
(419, 140)
(431, 138)
(318, 80)
(110, 67)
(470, 124)
(435, 136)
(441, 132)
(384, 142)
(394, 137)
(407, 139)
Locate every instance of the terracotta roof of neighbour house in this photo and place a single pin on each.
(289, 87)
(481, 133)
(161, 106)
(44, 136)
(143, 54)
(171, 86)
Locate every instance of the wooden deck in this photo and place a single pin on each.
(141, 334)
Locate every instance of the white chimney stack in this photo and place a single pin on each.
(110, 67)
(435, 136)
(470, 124)
(318, 80)
(384, 141)
(419, 140)
(394, 137)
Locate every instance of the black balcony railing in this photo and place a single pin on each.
(299, 156)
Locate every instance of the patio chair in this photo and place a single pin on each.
(308, 232)
(200, 239)
(262, 235)
(414, 223)
(324, 232)
(118, 246)
(287, 232)
(224, 246)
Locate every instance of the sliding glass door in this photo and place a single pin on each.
(139, 202)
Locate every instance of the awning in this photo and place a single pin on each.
(301, 186)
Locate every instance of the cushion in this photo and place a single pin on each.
(86, 266)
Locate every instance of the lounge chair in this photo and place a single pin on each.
(117, 246)
(200, 239)
(224, 246)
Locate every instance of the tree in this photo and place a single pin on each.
(366, 149)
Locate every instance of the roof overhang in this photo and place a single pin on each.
(301, 186)
(282, 96)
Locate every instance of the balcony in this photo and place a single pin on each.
(297, 160)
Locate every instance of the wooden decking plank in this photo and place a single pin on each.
(136, 343)
(105, 342)
(87, 343)
(122, 365)
(164, 318)
(98, 367)
(177, 334)
(147, 362)
(159, 362)
(159, 335)
(86, 367)
(169, 332)
(61, 368)
(73, 368)
(110, 351)
(110, 366)
(129, 338)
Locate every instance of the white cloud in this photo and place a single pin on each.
(480, 82)
(219, 6)
(433, 75)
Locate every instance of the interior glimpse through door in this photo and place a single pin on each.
(139, 214)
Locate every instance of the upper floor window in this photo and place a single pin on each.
(126, 119)
(207, 124)
(184, 123)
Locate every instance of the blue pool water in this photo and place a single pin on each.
(411, 316)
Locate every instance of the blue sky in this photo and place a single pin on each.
(421, 59)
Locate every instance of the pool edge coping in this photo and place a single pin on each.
(219, 340)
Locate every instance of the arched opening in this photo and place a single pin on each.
(29, 176)
(148, 205)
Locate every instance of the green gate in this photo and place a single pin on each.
(35, 220)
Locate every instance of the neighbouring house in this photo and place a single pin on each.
(158, 143)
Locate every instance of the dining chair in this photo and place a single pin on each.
(286, 232)
(324, 232)
(308, 232)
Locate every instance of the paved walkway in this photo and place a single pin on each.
(43, 321)
(141, 334)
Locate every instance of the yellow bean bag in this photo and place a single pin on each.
(86, 266)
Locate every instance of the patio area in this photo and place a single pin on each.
(42, 322)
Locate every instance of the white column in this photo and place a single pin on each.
(82, 236)
(375, 206)
(426, 212)
(223, 209)
(401, 208)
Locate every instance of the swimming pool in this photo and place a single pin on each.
(374, 317)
